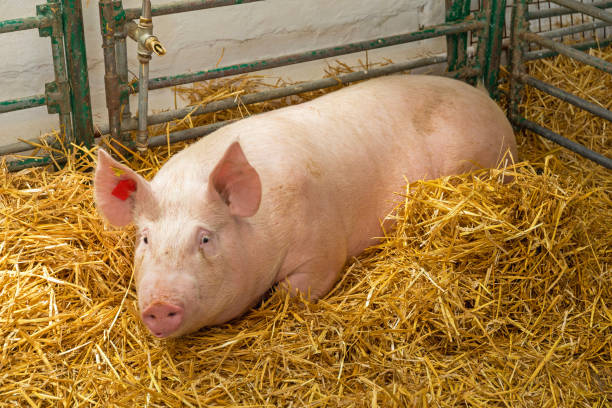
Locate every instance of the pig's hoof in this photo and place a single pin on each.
(163, 319)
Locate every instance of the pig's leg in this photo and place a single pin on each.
(314, 278)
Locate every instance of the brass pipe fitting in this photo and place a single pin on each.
(147, 45)
(153, 44)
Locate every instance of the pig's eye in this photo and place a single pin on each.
(145, 240)
(204, 239)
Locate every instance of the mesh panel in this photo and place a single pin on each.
(544, 24)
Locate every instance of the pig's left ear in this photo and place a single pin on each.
(117, 189)
(237, 182)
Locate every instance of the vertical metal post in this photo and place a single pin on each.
(143, 106)
(121, 34)
(57, 93)
(456, 44)
(144, 56)
(111, 79)
(491, 45)
(147, 45)
(520, 24)
(78, 77)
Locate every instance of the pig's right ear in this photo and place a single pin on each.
(236, 182)
(117, 188)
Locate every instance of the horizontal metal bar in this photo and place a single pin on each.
(19, 147)
(32, 162)
(567, 97)
(26, 23)
(568, 51)
(431, 32)
(580, 28)
(537, 54)
(285, 91)
(204, 130)
(23, 103)
(187, 134)
(565, 142)
(561, 11)
(585, 9)
(193, 133)
(183, 6)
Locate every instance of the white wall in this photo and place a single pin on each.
(196, 40)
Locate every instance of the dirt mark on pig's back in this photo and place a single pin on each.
(433, 108)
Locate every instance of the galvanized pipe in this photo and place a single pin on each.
(188, 134)
(23, 103)
(580, 28)
(111, 79)
(520, 25)
(586, 9)
(19, 147)
(565, 142)
(285, 91)
(243, 68)
(132, 30)
(183, 6)
(143, 106)
(567, 97)
(122, 71)
(568, 51)
(204, 130)
(147, 45)
(537, 54)
(145, 26)
(281, 92)
(554, 12)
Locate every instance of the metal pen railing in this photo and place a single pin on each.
(68, 94)
(114, 30)
(519, 79)
(117, 24)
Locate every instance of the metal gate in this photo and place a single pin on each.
(68, 94)
(522, 37)
(117, 25)
(475, 38)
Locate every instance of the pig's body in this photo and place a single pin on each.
(329, 171)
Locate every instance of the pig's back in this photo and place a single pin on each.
(352, 150)
(334, 163)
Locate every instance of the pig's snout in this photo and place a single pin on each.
(163, 319)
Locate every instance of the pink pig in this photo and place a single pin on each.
(288, 196)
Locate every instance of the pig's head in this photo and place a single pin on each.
(191, 264)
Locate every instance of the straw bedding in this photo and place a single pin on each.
(484, 295)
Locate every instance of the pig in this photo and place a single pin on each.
(288, 196)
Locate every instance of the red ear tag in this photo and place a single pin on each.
(124, 188)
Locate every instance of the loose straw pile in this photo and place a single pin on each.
(484, 295)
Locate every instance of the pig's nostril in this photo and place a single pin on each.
(171, 314)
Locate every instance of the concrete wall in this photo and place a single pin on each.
(197, 40)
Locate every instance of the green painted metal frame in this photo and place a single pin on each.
(68, 95)
(78, 73)
(115, 20)
(456, 44)
(519, 39)
(490, 45)
(489, 49)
